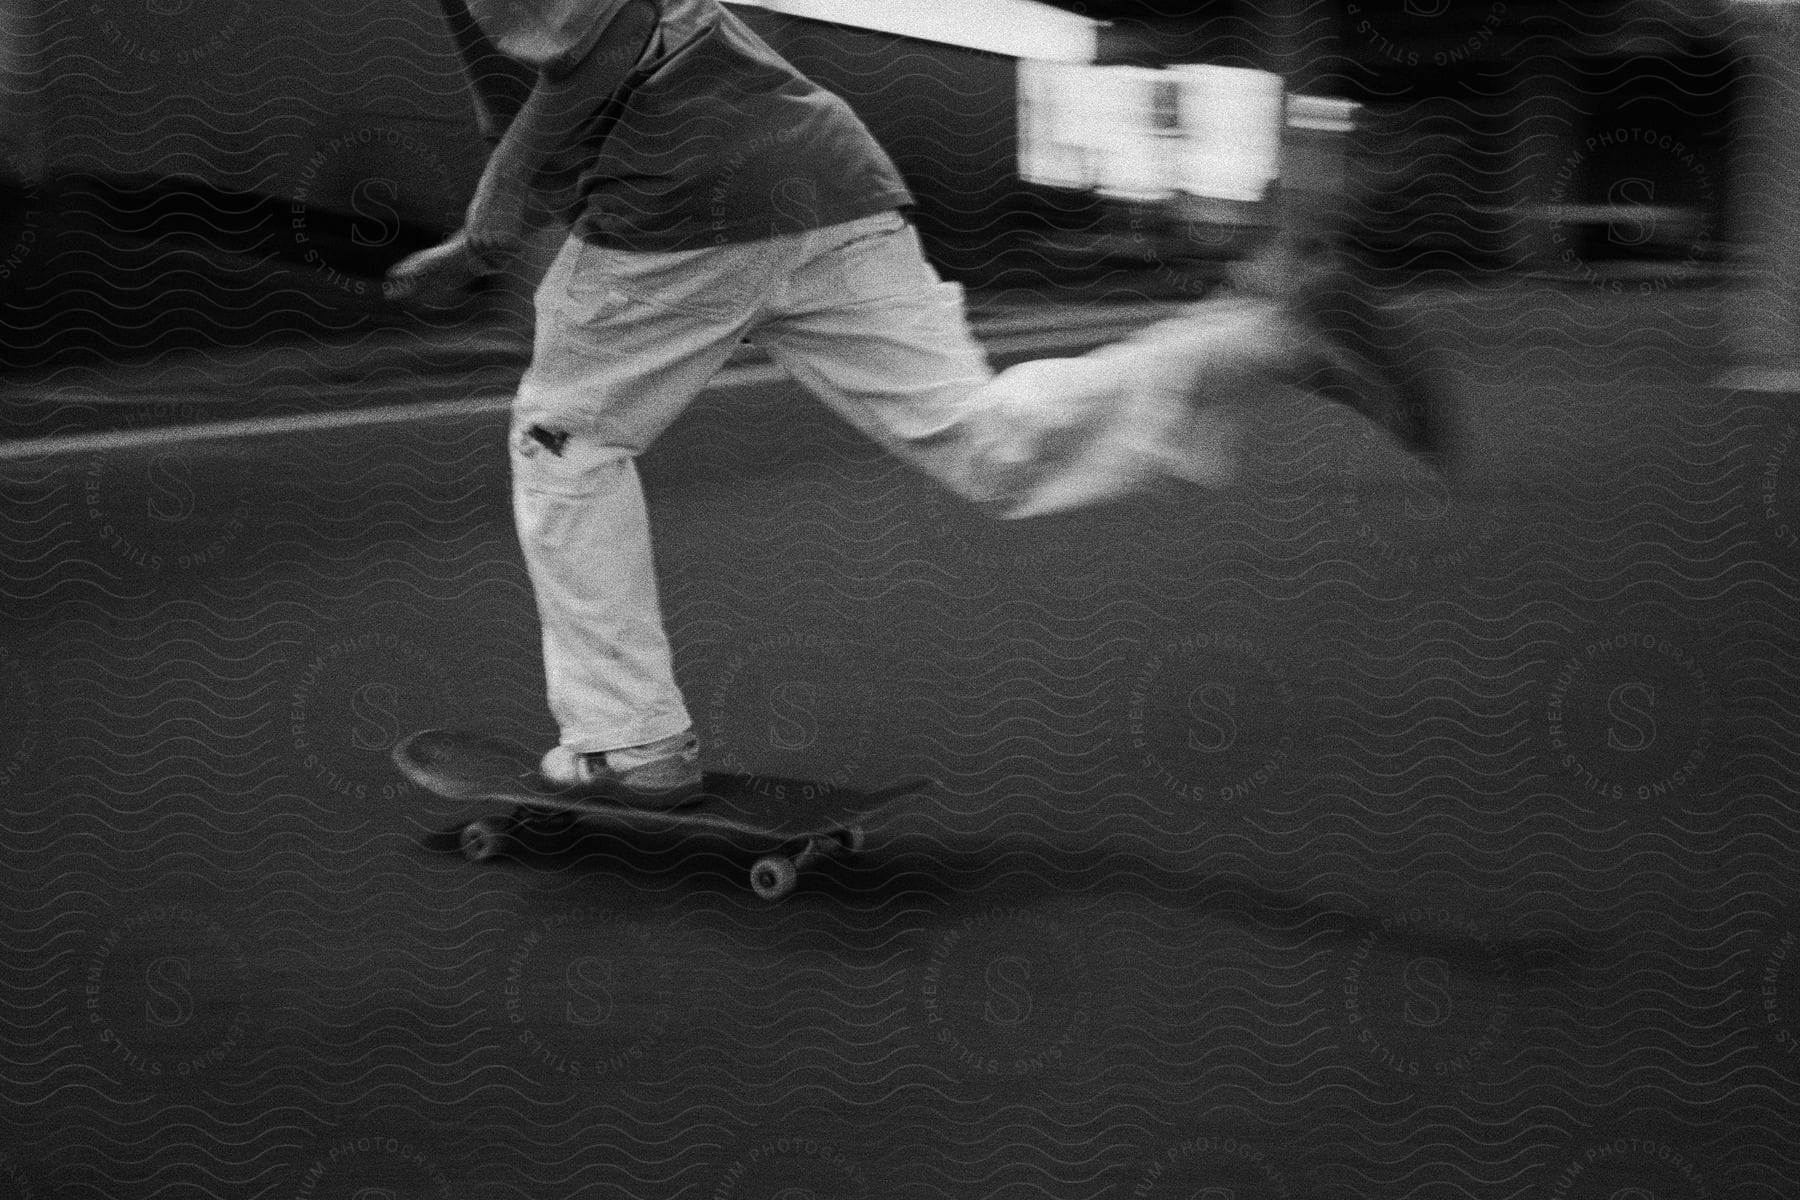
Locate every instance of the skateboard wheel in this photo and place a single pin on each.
(773, 878)
(483, 839)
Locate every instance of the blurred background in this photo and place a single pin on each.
(1347, 832)
(217, 173)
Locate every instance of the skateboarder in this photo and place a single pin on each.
(714, 194)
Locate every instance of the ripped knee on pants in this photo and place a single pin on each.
(552, 440)
(549, 459)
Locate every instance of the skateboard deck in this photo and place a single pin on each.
(790, 823)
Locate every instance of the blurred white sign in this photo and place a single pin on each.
(1016, 28)
(1145, 134)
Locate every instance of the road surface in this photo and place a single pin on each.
(1337, 835)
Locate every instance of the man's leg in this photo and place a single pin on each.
(624, 343)
(1370, 358)
(863, 322)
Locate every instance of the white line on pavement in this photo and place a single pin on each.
(748, 375)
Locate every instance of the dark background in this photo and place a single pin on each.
(170, 181)
(1345, 832)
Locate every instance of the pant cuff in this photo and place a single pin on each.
(598, 740)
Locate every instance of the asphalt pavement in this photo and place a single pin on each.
(1344, 833)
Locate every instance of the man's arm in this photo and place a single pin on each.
(559, 103)
(499, 85)
(558, 106)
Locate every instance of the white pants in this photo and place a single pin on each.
(626, 340)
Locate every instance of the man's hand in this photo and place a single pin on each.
(440, 274)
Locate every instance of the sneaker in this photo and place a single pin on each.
(660, 774)
(1361, 359)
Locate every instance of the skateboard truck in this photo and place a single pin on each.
(772, 876)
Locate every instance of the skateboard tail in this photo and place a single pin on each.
(464, 767)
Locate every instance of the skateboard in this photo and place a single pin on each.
(789, 824)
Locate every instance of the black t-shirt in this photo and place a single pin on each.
(714, 139)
